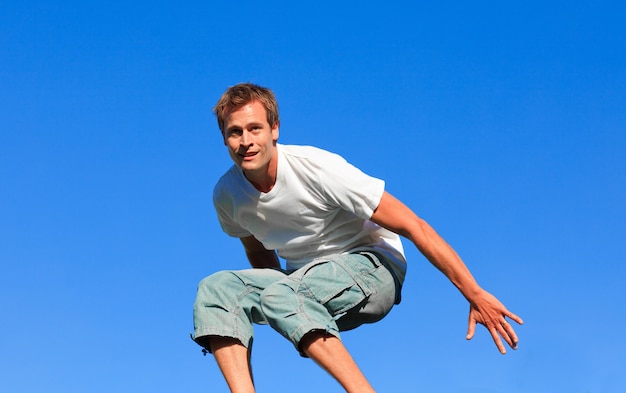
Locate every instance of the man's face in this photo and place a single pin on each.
(251, 140)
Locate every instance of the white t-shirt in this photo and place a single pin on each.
(319, 206)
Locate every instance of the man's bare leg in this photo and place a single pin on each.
(330, 353)
(234, 362)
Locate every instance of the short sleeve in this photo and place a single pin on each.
(350, 188)
(224, 206)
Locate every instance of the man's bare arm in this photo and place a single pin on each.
(258, 255)
(484, 307)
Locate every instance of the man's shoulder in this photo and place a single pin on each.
(229, 179)
(308, 153)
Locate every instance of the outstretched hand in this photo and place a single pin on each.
(491, 313)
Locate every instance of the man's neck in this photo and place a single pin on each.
(263, 183)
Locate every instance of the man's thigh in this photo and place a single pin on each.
(354, 288)
(227, 302)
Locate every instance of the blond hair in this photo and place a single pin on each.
(241, 94)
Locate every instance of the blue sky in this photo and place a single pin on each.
(502, 124)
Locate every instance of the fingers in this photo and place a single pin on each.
(514, 318)
(510, 337)
(492, 314)
(495, 335)
(471, 328)
(499, 328)
(506, 331)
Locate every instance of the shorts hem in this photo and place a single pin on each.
(199, 333)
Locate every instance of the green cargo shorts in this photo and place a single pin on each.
(336, 294)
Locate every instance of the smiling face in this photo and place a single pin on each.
(251, 143)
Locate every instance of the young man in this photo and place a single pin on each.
(338, 230)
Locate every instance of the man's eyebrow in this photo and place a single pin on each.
(252, 124)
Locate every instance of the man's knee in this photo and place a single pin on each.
(276, 297)
(217, 279)
(218, 287)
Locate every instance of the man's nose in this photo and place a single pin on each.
(246, 138)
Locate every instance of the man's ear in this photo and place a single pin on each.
(275, 132)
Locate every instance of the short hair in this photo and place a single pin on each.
(241, 94)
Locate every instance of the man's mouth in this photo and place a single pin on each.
(248, 155)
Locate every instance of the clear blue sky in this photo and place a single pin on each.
(502, 124)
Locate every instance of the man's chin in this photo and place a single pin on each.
(247, 166)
